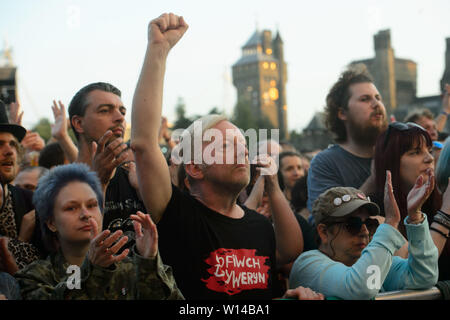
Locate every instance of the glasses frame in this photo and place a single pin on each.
(353, 225)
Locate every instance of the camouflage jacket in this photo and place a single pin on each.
(131, 278)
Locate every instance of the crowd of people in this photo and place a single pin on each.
(368, 214)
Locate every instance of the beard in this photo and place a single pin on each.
(366, 134)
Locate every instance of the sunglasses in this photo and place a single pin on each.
(400, 126)
(353, 225)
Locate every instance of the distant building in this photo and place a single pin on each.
(7, 77)
(315, 136)
(260, 77)
(396, 79)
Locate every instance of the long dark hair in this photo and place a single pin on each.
(388, 153)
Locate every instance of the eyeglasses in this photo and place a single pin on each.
(400, 126)
(354, 224)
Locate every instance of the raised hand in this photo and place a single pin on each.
(267, 167)
(166, 30)
(59, 128)
(33, 141)
(146, 234)
(15, 113)
(419, 194)
(391, 210)
(104, 246)
(446, 99)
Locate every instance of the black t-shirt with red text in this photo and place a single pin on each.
(214, 256)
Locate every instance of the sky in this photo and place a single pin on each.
(59, 46)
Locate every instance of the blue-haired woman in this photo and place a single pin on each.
(84, 263)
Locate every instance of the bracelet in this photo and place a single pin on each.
(440, 232)
(439, 223)
(418, 221)
(438, 218)
(445, 214)
(445, 113)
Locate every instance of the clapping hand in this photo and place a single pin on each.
(104, 246)
(146, 235)
(419, 194)
(33, 141)
(391, 210)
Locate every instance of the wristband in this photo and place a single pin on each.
(418, 221)
(445, 113)
(439, 218)
(440, 232)
(445, 214)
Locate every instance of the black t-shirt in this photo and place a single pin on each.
(214, 256)
(309, 233)
(121, 200)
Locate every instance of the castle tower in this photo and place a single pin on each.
(260, 78)
(395, 78)
(282, 71)
(383, 69)
(446, 76)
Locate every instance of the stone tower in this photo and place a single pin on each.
(260, 77)
(395, 78)
(383, 70)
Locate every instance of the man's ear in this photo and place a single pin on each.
(77, 123)
(51, 225)
(194, 171)
(342, 114)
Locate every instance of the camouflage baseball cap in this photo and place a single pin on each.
(341, 201)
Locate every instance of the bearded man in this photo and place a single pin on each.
(356, 115)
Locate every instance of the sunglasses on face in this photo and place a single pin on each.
(353, 225)
(400, 126)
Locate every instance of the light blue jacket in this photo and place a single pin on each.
(317, 271)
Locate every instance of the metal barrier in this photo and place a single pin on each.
(429, 294)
